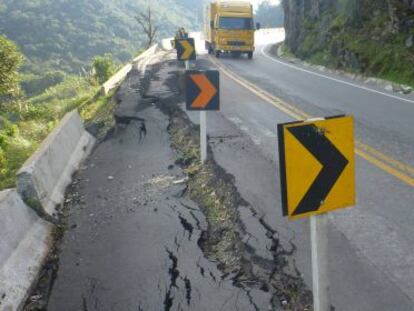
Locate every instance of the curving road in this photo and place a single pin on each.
(372, 254)
(133, 236)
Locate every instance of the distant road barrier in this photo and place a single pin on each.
(123, 72)
(44, 177)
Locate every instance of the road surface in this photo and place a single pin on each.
(372, 258)
(133, 238)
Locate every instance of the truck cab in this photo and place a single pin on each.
(229, 28)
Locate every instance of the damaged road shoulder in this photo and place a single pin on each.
(224, 242)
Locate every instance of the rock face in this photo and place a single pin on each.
(296, 14)
(360, 34)
(299, 12)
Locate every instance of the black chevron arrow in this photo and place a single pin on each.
(332, 161)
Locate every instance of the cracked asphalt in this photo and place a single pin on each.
(132, 242)
(134, 237)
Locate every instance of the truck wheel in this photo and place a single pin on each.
(250, 55)
(218, 54)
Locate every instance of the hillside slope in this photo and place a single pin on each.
(373, 37)
(66, 34)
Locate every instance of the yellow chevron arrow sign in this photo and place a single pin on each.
(185, 49)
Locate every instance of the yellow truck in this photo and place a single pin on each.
(229, 28)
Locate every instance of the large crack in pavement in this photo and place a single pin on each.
(134, 238)
(147, 227)
(174, 274)
(227, 238)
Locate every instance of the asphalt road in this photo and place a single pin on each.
(132, 242)
(371, 245)
(133, 237)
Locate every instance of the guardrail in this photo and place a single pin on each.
(24, 244)
(123, 72)
(44, 177)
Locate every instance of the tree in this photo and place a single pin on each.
(269, 16)
(147, 23)
(103, 67)
(10, 61)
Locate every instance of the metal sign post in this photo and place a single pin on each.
(317, 174)
(187, 65)
(319, 249)
(203, 94)
(203, 136)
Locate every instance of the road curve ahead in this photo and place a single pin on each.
(257, 94)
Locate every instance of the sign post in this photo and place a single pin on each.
(319, 249)
(317, 174)
(203, 136)
(203, 94)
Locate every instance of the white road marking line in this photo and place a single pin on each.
(370, 154)
(244, 128)
(264, 130)
(333, 79)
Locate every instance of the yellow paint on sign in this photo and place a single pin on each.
(335, 141)
(301, 170)
(188, 49)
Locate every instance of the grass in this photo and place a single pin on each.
(215, 195)
(40, 114)
(99, 111)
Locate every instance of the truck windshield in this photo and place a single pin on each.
(236, 23)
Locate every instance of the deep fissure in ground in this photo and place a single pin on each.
(214, 190)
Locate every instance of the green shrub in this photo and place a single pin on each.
(12, 130)
(103, 67)
(309, 45)
(10, 61)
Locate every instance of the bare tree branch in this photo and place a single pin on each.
(147, 23)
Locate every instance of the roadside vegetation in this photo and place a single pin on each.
(215, 194)
(55, 54)
(26, 121)
(369, 37)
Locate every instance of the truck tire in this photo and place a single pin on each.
(250, 55)
(208, 47)
(217, 54)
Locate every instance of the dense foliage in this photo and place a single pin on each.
(10, 60)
